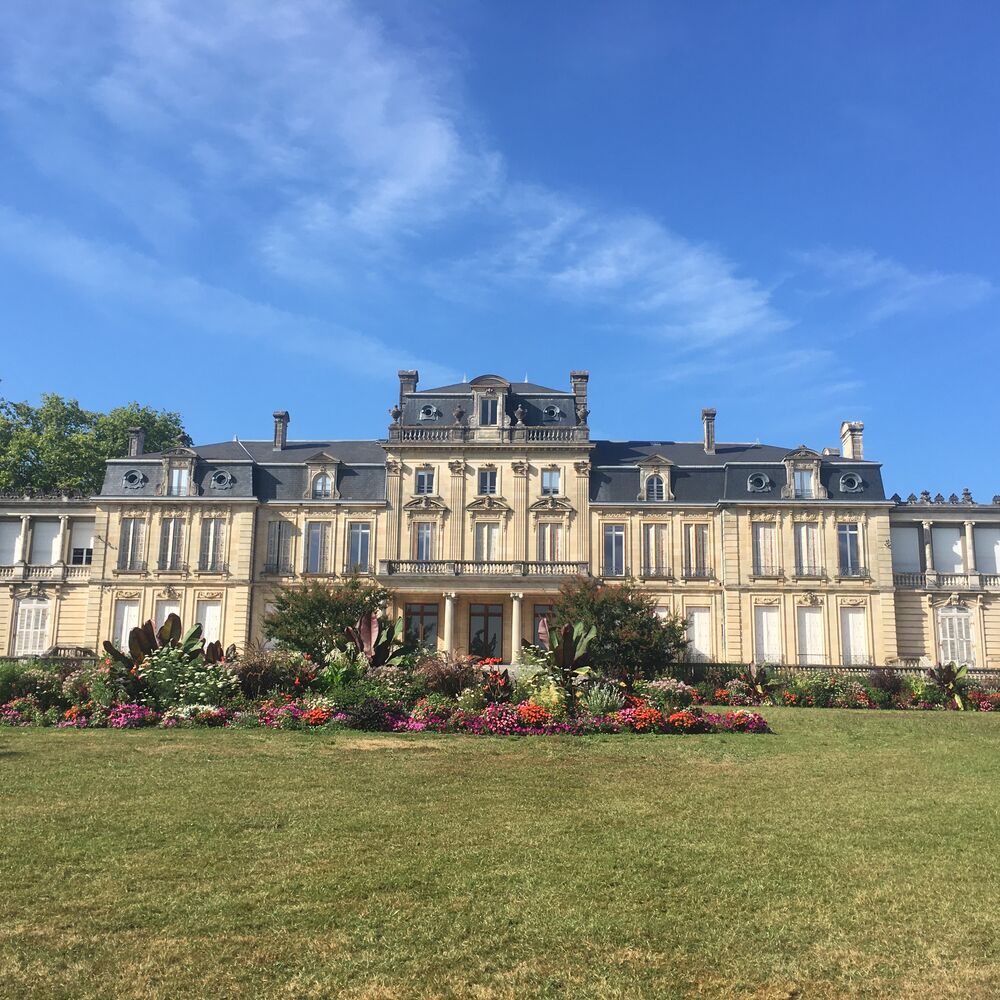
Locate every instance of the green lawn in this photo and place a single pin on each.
(853, 854)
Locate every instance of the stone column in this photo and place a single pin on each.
(515, 628)
(21, 549)
(458, 481)
(928, 548)
(63, 538)
(449, 622)
(970, 549)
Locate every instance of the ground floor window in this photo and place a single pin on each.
(809, 625)
(699, 634)
(955, 643)
(126, 618)
(486, 630)
(543, 612)
(854, 637)
(165, 608)
(767, 633)
(422, 624)
(209, 614)
(31, 635)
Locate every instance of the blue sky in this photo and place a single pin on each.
(785, 211)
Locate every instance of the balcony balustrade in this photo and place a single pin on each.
(768, 571)
(946, 581)
(469, 567)
(698, 573)
(494, 435)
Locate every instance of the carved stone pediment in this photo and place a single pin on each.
(491, 504)
(425, 505)
(656, 461)
(802, 453)
(549, 504)
(180, 452)
(322, 458)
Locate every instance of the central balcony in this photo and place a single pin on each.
(468, 567)
(488, 435)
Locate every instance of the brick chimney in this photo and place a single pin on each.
(579, 382)
(136, 441)
(851, 439)
(708, 427)
(281, 419)
(407, 383)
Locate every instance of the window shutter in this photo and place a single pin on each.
(285, 541)
(273, 529)
(165, 543)
(205, 552)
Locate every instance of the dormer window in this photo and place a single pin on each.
(178, 482)
(429, 412)
(804, 484)
(133, 480)
(550, 482)
(424, 482)
(322, 487)
(488, 411)
(850, 482)
(655, 489)
(758, 482)
(552, 413)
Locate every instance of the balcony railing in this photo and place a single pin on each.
(853, 572)
(43, 572)
(501, 435)
(810, 572)
(469, 567)
(657, 573)
(213, 566)
(171, 566)
(54, 572)
(946, 581)
(282, 569)
(698, 573)
(132, 566)
(768, 571)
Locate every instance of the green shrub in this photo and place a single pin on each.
(260, 671)
(603, 699)
(448, 673)
(172, 678)
(471, 699)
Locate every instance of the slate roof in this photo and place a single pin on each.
(518, 388)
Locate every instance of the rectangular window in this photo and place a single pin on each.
(550, 547)
(849, 549)
(854, 637)
(767, 634)
(178, 482)
(81, 543)
(806, 548)
(31, 634)
(209, 614)
(803, 480)
(210, 552)
(614, 550)
(126, 618)
(165, 608)
(809, 625)
(541, 611)
(130, 544)
(44, 543)
(425, 482)
(946, 544)
(423, 541)
(487, 482)
(486, 630)
(171, 544)
(317, 535)
(358, 544)
(487, 541)
(550, 482)
(488, 412)
(955, 636)
(905, 549)
(279, 547)
(654, 550)
(10, 531)
(986, 542)
(765, 549)
(696, 564)
(699, 635)
(422, 624)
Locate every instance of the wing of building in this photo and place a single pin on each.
(481, 501)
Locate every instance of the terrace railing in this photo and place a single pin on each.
(488, 567)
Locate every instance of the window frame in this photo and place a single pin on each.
(364, 533)
(549, 477)
(324, 491)
(613, 531)
(850, 530)
(422, 612)
(423, 482)
(424, 537)
(487, 482)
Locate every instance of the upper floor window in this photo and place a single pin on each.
(171, 543)
(425, 481)
(359, 535)
(654, 488)
(279, 547)
(46, 543)
(849, 549)
(696, 564)
(423, 541)
(550, 547)
(178, 483)
(322, 487)
(614, 550)
(130, 543)
(487, 537)
(550, 482)
(317, 534)
(804, 487)
(210, 552)
(487, 482)
(488, 411)
(806, 549)
(765, 549)
(654, 549)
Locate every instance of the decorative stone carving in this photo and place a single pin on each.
(458, 467)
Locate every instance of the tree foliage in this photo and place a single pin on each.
(632, 641)
(59, 447)
(314, 619)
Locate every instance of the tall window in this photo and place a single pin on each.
(541, 612)
(44, 543)
(130, 541)
(806, 549)
(767, 634)
(955, 643)
(358, 545)
(614, 550)
(317, 536)
(803, 481)
(210, 551)
(488, 411)
(126, 618)
(422, 624)
(765, 548)
(550, 547)
(279, 547)
(31, 634)
(654, 550)
(486, 630)
(163, 609)
(699, 634)
(81, 543)
(322, 487)
(696, 551)
(209, 615)
(487, 482)
(10, 532)
(550, 482)
(178, 482)
(425, 482)
(854, 637)
(654, 488)
(487, 541)
(849, 549)
(171, 543)
(809, 626)
(423, 541)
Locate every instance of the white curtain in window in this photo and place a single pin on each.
(210, 555)
(854, 636)
(810, 635)
(905, 549)
(10, 530)
(947, 546)
(126, 618)
(987, 545)
(44, 543)
(654, 548)
(806, 547)
(487, 541)
(767, 633)
(209, 613)
(165, 608)
(31, 636)
(765, 547)
(81, 535)
(549, 542)
(699, 633)
(955, 636)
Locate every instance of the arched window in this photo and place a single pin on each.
(322, 487)
(654, 488)
(955, 643)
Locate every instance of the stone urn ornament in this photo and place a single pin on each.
(519, 415)
(395, 412)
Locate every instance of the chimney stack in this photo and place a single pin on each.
(407, 383)
(136, 441)
(708, 423)
(281, 419)
(851, 439)
(579, 380)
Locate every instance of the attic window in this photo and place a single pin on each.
(133, 480)
(758, 482)
(222, 480)
(552, 413)
(429, 412)
(488, 410)
(322, 487)
(655, 489)
(178, 482)
(850, 482)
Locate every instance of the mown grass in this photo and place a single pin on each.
(850, 855)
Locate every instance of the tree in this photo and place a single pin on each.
(59, 447)
(314, 619)
(632, 640)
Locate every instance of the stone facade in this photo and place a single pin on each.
(481, 501)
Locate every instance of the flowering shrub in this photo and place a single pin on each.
(640, 718)
(173, 678)
(19, 712)
(670, 693)
(131, 717)
(531, 714)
